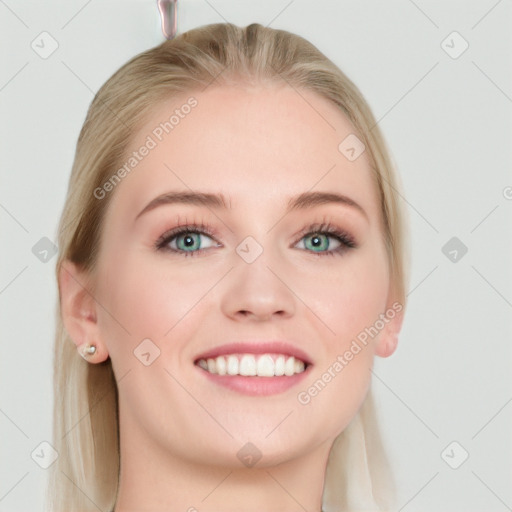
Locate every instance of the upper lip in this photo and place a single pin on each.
(256, 347)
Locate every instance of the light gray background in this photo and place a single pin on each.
(448, 123)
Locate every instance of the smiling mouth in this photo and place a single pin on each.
(253, 365)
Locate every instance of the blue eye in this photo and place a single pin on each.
(319, 242)
(186, 240)
(319, 234)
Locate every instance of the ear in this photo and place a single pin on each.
(388, 339)
(78, 309)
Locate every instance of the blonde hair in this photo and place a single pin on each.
(85, 476)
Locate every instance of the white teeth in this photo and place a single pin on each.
(212, 367)
(279, 366)
(221, 365)
(247, 365)
(264, 365)
(232, 365)
(289, 366)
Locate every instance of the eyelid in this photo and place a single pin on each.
(344, 237)
(200, 227)
(327, 227)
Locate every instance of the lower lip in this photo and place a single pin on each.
(256, 386)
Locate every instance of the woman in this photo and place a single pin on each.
(231, 261)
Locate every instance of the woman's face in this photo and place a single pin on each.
(255, 273)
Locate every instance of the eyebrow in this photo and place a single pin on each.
(218, 201)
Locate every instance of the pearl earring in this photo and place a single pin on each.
(88, 350)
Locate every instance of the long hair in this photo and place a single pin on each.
(85, 476)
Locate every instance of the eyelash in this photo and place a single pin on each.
(325, 228)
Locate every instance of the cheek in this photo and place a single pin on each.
(350, 296)
(341, 378)
(352, 301)
(145, 298)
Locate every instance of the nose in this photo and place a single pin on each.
(258, 292)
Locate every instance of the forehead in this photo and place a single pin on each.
(258, 145)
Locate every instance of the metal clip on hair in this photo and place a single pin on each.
(168, 13)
